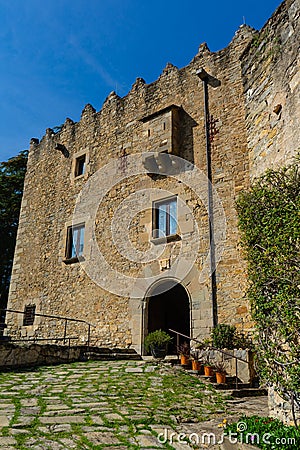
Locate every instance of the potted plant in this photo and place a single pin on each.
(184, 353)
(208, 367)
(157, 343)
(220, 370)
(196, 362)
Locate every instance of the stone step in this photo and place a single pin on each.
(248, 392)
(107, 350)
(230, 381)
(244, 392)
(227, 386)
(112, 355)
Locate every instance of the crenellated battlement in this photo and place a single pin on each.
(147, 97)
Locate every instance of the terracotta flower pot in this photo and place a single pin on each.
(221, 378)
(208, 371)
(184, 360)
(196, 365)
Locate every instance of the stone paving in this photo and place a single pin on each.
(116, 405)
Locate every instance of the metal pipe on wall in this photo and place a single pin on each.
(204, 76)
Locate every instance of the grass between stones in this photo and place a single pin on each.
(96, 405)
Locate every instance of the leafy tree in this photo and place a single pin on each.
(270, 227)
(12, 173)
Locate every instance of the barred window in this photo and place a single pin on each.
(29, 315)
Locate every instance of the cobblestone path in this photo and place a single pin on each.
(96, 404)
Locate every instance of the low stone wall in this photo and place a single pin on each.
(281, 409)
(246, 371)
(13, 356)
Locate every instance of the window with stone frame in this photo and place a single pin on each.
(80, 165)
(75, 242)
(29, 315)
(164, 218)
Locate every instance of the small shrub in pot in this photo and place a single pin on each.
(157, 343)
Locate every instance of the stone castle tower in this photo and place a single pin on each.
(114, 226)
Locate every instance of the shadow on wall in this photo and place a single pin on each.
(187, 124)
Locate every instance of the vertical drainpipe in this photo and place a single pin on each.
(203, 75)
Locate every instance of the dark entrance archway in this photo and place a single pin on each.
(169, 307)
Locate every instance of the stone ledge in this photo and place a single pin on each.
(31, 355)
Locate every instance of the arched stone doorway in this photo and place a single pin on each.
(168, 306)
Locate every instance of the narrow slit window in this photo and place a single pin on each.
(80, 165)
(165, 218)
(29, 315)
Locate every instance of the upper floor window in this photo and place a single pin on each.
(75, 242)
(165, 217)
(80, 165)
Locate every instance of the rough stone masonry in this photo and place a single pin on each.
(135, 141)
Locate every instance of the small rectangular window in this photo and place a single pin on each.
(165, 218)
(80, 165)
(75, 242)
(29, 314)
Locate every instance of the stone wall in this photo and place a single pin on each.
(270, 67)
(167, 115)
(40, 275)
(245, 365)
(32, 354)
(12, 355)
(281, 409)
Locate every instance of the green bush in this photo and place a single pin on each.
(241, 340)
(264, 432)
(157, 338)
(270, 235)
(223, 336)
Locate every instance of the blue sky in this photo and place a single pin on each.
(58, 55)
